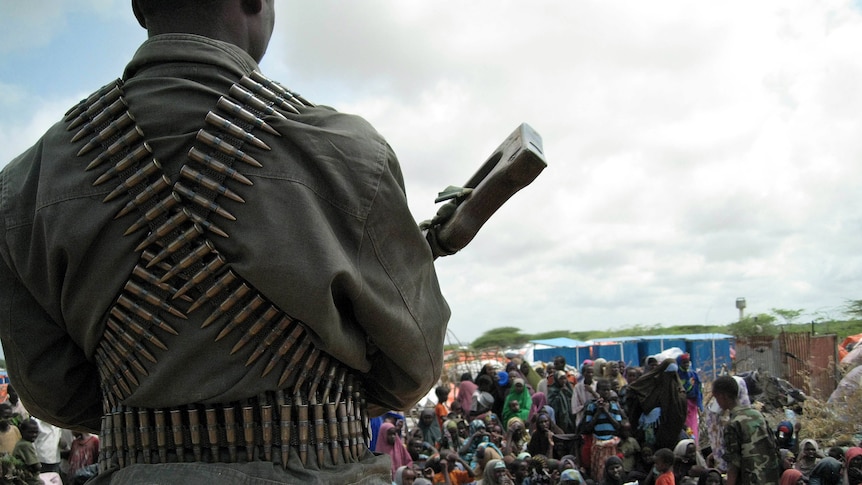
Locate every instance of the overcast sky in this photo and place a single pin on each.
(697, 151)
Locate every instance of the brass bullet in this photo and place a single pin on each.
(161, 435)
(230, 431)
(125, 163)
(177, 429)
(235, 131)
(302, 428)
(129, 418)
(102, 118)
(285, 412)
(156, 211)
(227, 304)
(136, 178)
(212, 432)
(208, 270)
(182, 240)
(147, 316)
(244, 96)
(248, 432)
(134, 344)
(241, 317)
(264, 319)
(195, 432)
(266, 430)
(114, 127)
(208, 183)
(145, 430)
(238, 111)
(202, 201)
(221, 145)
(163, 230)
(207, 225)
(193, 257)
(277, 88)
(261, 91)
(289, 342)
(136, 327)
(127, 141)
(90, 108)
(152, 299)
(210, 162)
(222, 283)
(276, 332)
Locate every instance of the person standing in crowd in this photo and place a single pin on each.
(466, 388)
(853, 466)
(583, 393)
(390, 443)
(693, 393)
(195, 246)
(48, 446)
(560, 398)
(84, 452)
(750, 450)
(603, 421)
(657, 403)
(9, 434)
(663, 459)
(26, 452)
(519, 394)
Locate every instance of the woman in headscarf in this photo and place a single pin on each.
(389, 443)
(405, 475)
(518, 392)
(659, 398)
(693, 393)
(791, 477)
(478, 435)
(786, 459)
(687, 461)
(466, 388)
(827, 471)
(853, 466)
(496, 474)
(485, 453)
(613, 474)
(482, 401)
(428, 428)
(809, 456)
(540, 404)
(517, 437)
(560, 398)
(542, 439)
(716, 419)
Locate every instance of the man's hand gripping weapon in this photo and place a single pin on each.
(512, 166)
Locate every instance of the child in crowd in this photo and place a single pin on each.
(664, 465)
(26, 452)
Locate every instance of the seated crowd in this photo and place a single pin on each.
(602, 424)
(530, 425)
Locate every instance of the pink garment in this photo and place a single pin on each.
(691, 418)
(465, 395)
(397, 451)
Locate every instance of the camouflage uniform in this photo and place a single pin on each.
(750, 447)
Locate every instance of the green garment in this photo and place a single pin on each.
(525, 402)
(750, 447)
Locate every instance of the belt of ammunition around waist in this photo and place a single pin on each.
(262, 428)
(180, 271)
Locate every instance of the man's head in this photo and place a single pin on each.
(663, 460)
(5, 414)
(29, 430)
(559, 363)
(725, 390)
(247, 24)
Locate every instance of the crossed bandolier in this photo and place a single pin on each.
(319, 403)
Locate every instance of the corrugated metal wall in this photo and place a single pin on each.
(806, 361)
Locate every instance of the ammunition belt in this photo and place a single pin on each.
(264, 428)
(180, 272)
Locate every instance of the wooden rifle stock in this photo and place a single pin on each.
(512, 166)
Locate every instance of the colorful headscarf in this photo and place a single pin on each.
(397, 451)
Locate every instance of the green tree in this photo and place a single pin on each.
(854, 308)
(789, 316)
(501, 337)
(751, 326)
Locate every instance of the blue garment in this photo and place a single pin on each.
(604, 428)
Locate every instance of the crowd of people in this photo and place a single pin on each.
(602, 423)
(35, 452)
(524, 424)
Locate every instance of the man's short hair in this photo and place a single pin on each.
(726, 386)
(664, 455)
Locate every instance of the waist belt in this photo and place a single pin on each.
(265, 428)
